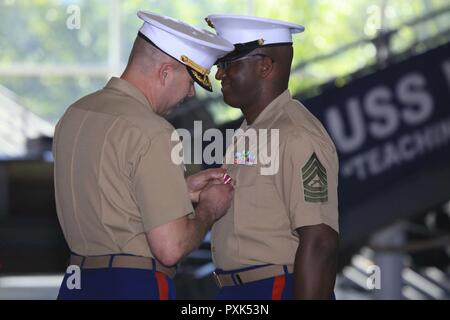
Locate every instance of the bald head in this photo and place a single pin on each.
(164, 81)
(144, 57)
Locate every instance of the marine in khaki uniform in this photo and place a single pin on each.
(124, 206)
(279, 238)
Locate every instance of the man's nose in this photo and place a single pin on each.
(220, 73)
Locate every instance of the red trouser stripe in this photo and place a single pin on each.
(278, 287)
(163, 285)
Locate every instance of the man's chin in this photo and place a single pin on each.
(175, 106)
(229, 102)
(170, 110)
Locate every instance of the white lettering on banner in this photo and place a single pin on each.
(411, 92)
(378, 106)
(347, 143)
(394, 153)
(379, 117)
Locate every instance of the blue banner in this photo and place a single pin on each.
(389, 125)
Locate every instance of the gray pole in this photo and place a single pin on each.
(391, 263)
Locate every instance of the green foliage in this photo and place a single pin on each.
(35, 33)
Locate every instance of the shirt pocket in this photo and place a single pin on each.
(261, 223)
(249, 175)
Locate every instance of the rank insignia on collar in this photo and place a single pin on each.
(314, 177)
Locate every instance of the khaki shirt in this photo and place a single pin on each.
(259, 228)
(114, 178)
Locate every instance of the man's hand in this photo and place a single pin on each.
(172, 241)
(197, 182)
(215, 199)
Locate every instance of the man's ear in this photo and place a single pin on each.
(265, 67)
(164, 73)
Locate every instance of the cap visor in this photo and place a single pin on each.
(201, 80)
(236, 54)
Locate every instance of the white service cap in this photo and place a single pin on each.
(248, 33)
(198, 49)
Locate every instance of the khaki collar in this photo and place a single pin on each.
(127, 88)
(270, 113)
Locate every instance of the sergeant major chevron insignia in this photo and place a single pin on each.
(314, 177)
